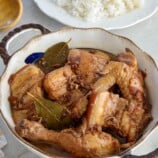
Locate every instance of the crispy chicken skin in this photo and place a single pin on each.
(79, 142)
(27, 79)
(87, 65)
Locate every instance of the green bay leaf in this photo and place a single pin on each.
(54, 115)
(54, 57)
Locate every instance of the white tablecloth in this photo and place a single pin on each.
(144, 34)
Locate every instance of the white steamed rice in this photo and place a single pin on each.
(93, 10)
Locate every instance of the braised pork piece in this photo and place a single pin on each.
(81, 104)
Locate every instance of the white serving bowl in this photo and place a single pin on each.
(81, 38)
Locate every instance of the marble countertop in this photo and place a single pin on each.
(144, 34)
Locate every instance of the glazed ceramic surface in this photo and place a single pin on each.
(10, 13)
(80, 38)
(129, 19)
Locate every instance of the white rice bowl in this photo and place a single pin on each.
(94, 10)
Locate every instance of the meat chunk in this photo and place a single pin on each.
(26, 80)
(86, 145)
(61, 86)
(129, 58)
(56, 82)
(104, 107)
(108, 110)
(127, 78)
(87, 65)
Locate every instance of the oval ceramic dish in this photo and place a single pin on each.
(119, 22)
(80, 38)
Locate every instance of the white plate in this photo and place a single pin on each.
(49, 8)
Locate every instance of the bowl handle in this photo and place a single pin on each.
(3, 44)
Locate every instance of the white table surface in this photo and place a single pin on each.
(144, 34)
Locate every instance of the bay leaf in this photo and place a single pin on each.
(54, 115)
(54, 57)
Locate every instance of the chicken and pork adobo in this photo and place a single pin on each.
(103, 95)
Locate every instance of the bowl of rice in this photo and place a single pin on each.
(107, 14)
(94, 10)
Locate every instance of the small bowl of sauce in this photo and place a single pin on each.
(10, 13)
